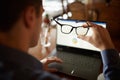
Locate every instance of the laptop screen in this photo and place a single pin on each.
(70, 39)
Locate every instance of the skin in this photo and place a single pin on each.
(49, 60)
(100, 38)
(21, 35)
(25, 33)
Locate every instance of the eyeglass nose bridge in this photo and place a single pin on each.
(71, 29)
(75, 30)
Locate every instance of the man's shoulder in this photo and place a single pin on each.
(20, 73)
(5, 74)
(13, 72)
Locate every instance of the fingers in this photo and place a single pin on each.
(94, 27)
(49, 60)
(86, 38)
(90, 24)
(81, 37)
(53, 59)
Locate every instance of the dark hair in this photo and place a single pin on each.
(10, 11)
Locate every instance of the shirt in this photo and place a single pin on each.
(18, 65)
(111, 64)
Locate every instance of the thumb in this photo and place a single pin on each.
(81, 37)
(86, 38)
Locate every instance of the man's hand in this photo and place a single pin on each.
(49, 60)
(100, 38)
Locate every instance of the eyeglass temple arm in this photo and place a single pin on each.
(56, 21)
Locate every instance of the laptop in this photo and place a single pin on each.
(80, 58)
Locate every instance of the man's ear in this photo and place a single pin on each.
(29, 17)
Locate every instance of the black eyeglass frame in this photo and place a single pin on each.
(71, 28)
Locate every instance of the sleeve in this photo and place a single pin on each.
(48, 76)
(111, 64)
(25, 74)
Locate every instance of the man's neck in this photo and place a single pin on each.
(14, 41)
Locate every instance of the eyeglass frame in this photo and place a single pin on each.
(72, 28)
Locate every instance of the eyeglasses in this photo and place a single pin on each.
(67, 29)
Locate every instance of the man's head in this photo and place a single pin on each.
(21, 15)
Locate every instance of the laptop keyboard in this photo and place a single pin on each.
(79, 65)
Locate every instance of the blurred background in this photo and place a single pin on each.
(93, 10)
